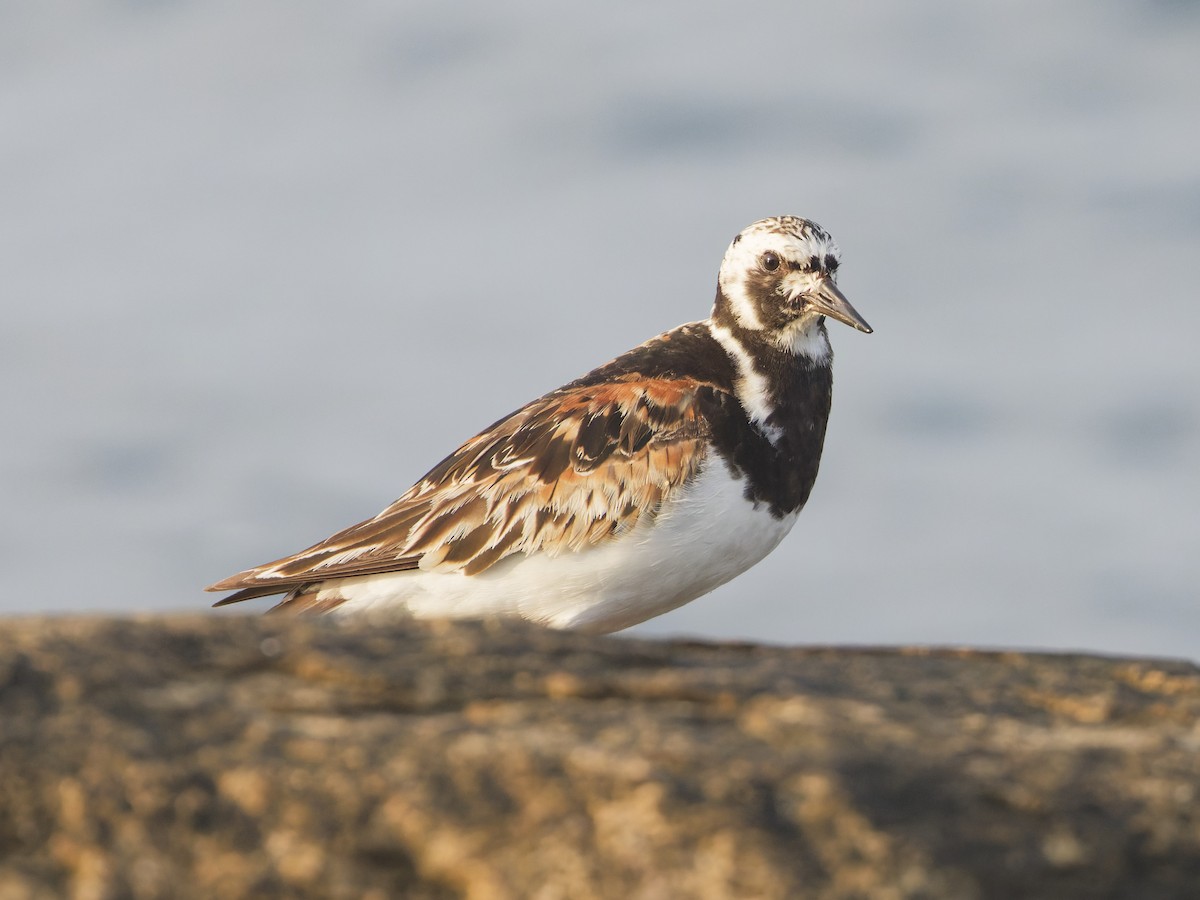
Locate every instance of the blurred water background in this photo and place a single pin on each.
(264, 264)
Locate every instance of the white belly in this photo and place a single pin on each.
(707, 535)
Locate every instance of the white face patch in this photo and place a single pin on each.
(740, 258)
(752, 388)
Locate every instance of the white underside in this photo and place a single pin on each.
(709, 534)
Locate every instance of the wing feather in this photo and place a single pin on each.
(570, 470)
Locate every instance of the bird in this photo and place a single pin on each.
(625, 493)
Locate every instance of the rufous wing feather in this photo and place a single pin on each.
(570, 470)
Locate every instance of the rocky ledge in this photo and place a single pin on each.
(228, 757)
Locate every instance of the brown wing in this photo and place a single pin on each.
(572, 469)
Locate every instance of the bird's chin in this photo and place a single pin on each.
(803, 336)
(806, 318)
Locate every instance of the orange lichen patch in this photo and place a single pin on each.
(1086, 709)
(1156, 681)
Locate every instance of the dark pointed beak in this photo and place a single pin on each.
(831, 302)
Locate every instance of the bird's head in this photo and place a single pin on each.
(779, 277)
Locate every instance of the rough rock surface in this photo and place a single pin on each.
(227, 757)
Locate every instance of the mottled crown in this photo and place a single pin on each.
(792, 226)
(798, 238)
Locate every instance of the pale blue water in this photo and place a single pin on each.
(264, 264)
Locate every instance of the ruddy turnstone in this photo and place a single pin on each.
(624, 494)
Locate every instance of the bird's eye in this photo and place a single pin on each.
(770, 261)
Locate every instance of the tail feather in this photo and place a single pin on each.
(250, 593)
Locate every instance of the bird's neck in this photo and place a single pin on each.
(803, 342)
(784, 393)
(775, 384)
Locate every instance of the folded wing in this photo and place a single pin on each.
(571, 470)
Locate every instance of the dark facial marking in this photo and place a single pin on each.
(831, 263)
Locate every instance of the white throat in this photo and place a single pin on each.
(805, 337)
